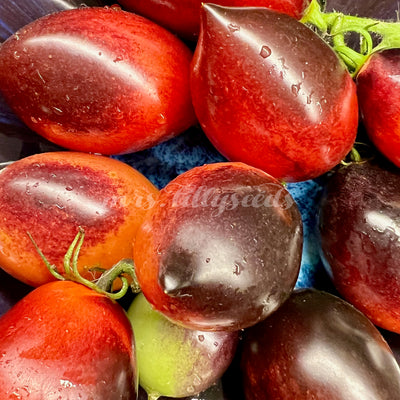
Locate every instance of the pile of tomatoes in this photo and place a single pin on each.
(190, 291)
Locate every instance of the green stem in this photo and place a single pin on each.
(122, 270)
(336, 25)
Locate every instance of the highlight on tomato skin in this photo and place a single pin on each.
(317, 346)
(221, 247)
(52, 195)
(117, 83)
(360, 239)
(271, 93)
(183, 16)
(64, 340)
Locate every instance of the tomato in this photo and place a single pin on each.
(378, 88)
(221, 247)
(64, 340)
(51, 195)
(270, 93)
(98, 80)
(360, 238)
(317, 346)
(183, 16)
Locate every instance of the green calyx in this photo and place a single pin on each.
(123, 270)
(336, 26)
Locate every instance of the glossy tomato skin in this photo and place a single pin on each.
(16, 14)
(51, 195)
(98, 80)
(317, 346)
(269, 92)
(183, 16)
(221, 248)
(64, 340)
(360, 239)
(378, 88)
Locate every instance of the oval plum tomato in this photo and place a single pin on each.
(378, 87)
(271, 93)
(183, 16)
(317, 346)
(221, 247)
(51, 195)
(66, 341)
(360, 238)
(98, 80)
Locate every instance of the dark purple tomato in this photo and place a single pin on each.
(98, 80)
(317, 346)
(360, 237)
(221, 247)
(183, 16)
(378, 88)
(269, 92)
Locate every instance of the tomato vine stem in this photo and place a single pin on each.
(124, 270)
(336, 26)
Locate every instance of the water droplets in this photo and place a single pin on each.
(265, 51)
(16, 55)
(233, 27)
(296, 89)
(161, 120)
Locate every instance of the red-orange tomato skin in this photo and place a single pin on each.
(51, 195)
(64, 340)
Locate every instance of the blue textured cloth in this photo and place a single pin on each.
(164, 162)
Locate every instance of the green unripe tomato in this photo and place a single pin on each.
(175, 361)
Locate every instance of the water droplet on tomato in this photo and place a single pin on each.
(201, 338)
(233, 27)
(16, 55)
(265, 51)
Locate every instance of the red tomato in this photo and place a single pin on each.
(183, 16)
(66, 341)
(50, 195)
(378, 86)
(270, 93)
(98, 80)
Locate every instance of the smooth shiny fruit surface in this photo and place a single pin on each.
(116, 83)
(174, 361)
(66, 341)
(360, 239)
(378, 88)
(269, 92)
(51, 195)
(183, 16)
(221, 247)
(14, 14)
(317, 346)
